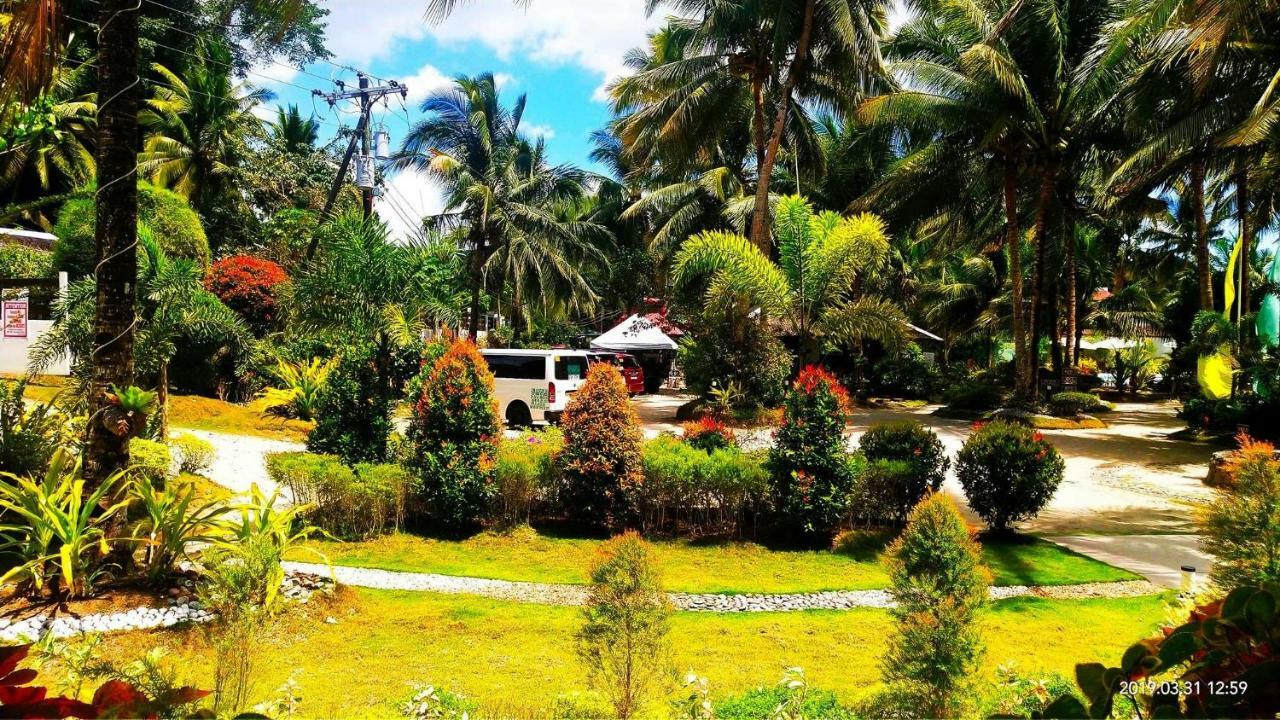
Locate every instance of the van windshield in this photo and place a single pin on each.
(571, 367)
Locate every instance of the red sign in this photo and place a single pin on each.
(15, 318)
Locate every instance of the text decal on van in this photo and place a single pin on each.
(538, 398)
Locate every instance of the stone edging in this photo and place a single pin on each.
(564, 594)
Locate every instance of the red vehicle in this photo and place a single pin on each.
(631, 370)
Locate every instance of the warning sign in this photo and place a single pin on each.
(15, 318)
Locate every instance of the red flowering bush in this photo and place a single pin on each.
(455, 433)
(602, 456)
(810, 469)
(709, 434)
(1009, 472)
(247, 285)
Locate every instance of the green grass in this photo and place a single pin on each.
(688, 567)
(514, 659)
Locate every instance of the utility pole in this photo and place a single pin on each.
(367, 94)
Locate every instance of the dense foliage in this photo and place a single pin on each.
(601, 461)
(1241, 527)
(354, 411)
(248, 285)
(1009, 472)
(906, 461)
(346, 502)
(177, 229)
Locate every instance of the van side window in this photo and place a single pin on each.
(518, 367)
(571, 367)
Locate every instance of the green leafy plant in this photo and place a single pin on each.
(811, 474)
(353, 412)
(55, 528)
(173, 522)
(723, 400)
(304, 382)
(194, 454)
(906, 462)
(796, 701)
(262, 518)
(133, 399)
(343, 501)
(1009, 472)
(601, 459)
(28, 435)
(623, 640)
(150, 459)
(525, 473)
(694, 492)
(1070, 404)
(455, 433)
(1241, 527)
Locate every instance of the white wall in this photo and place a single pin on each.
(13, 351)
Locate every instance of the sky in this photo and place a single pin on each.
(561, 53)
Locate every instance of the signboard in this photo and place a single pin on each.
(15, 318)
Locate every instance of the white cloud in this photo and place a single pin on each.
(427, 80)
(550, 31)
(408, 197)
(546, 132)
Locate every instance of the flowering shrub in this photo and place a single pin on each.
(601, 459)
(709, 434)
(247, 285)
(906, 463)
(1242, 526)
(455, 433)
(811, 472)
(1009, 472)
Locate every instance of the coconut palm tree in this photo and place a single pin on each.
(812, 287)
(293, 132)
(508, 206)
(199, 123)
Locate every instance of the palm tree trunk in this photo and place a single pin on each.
(1013, 242)
(1073, 302)
(1038, 310)
(162, 400)
(760, 212)
(116, 234)
(1204, 271)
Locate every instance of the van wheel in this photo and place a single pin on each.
(518, 415)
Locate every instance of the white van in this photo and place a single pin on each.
(535, 385)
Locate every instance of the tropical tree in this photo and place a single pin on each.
(511, 210)
(293, 132)
(813, 286)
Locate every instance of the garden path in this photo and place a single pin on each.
(563, 594)
(240, 460)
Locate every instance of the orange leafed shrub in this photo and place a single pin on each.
(602, 450)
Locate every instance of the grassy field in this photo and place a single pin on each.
(689, 567)
(200, 413)
(514, 659)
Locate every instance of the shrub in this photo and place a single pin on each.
(150, 459)
(763, 704)
(1221, 661)
(906, 463)
(249, 286)
(28, 435)
(1241, 527)
(343, 501)
(21, 261)
(194, 455)
(708, 433)
(354, 411)
(939, 584)
(908, 374)
(974, 395)
(525, 471)
(172, 522)
(304, 384)
(749, 356)
(810, 471)
(1009, 472)
(455, 433)
(696, 492)
(1070, 404)
(176, 227)
(55, 527)
(601, 460)
(623, 640)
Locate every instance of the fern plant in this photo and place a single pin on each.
(56, 527)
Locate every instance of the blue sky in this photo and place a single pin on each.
(561, 53)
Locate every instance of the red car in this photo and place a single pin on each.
(631, 370)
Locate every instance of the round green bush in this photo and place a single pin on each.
(150, 459)
(974, 395)
(175, 225)
(1009, 472)
(1070, 404)
(924, 464)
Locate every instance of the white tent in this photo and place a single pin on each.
(634, 334)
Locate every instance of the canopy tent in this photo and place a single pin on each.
(634, 334)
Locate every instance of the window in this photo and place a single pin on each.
(571, 367)
(608, 358)
(518, 367)
(630, 362)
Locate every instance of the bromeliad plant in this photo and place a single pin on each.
(173, 523)
(129, 407)
(303, 384)
(56, 529)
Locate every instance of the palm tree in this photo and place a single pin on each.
(821, 259)
(199, 123)
(293, 132)
(503, 200)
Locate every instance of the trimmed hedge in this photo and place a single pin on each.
(1070, 404)
(346, 502)
(176, 227)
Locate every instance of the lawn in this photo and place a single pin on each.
(199, 413)
(516, 658)
(690, 567)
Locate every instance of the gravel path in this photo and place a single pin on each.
(240, 460)
(561, 594)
